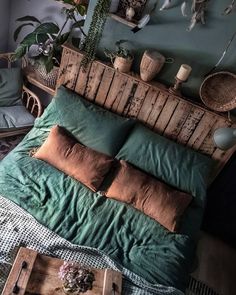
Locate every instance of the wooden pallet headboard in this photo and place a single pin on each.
(174, 117)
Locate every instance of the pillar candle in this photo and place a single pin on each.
(184, 72)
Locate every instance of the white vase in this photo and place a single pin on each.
(114, 6)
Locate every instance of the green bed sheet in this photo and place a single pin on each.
(86, 218)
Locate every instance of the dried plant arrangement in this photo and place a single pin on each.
(229, 8)
(198, 10)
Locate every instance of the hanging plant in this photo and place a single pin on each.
(198, 10)
(91, 41)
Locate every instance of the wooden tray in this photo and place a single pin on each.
(40, 276)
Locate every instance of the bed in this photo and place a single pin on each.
(142, 247)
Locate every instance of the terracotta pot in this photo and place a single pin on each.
(151, 64)
(123, 64)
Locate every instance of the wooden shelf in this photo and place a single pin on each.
(131, 24)
(33, 79)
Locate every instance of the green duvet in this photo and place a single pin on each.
(74, 212)
(86, 218)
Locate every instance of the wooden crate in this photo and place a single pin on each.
(41, 276)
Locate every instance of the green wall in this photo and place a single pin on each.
(200, 48)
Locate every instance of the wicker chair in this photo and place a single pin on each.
(29, 99)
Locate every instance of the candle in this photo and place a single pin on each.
(184, 72)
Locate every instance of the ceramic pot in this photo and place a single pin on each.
(123, 64)
(129, 13)
(151, 64)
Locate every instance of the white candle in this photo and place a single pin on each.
(184, 72)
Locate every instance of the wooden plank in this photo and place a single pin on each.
(166, 114)
(127, 97)
(24, 255)
(148, 104)
(41, 276)
(138, 100)
(177, 120)
(82, 80)
(116, 90)
(208, 147)
(203, 128)
(190, 125)
(72, 72)
(104, 86)
(156, 109)
(131, 24)
(94, 80)
(112, 282)
(63, 66)
(44, 278)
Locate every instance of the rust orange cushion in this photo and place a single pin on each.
(63, 151)
(154, 198)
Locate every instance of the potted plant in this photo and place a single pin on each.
(122, 58)
(43, 45)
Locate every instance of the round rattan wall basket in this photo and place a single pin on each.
(218, 91)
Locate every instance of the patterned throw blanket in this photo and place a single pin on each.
(18, 228)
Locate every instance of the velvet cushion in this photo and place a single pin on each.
(154, 198)
(63, 152)
(93, 126)
(171, 162)
(11, 83)
(15, 117)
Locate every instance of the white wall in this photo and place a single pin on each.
(4, 24)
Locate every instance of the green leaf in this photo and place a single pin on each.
(20, 51)
(78, 24)
(63, 38)
(41, 38)
(71, 2)
(30, 39)
(18, 30)
(81, 9)
(45, 28)
(49, 64)
(28, 18)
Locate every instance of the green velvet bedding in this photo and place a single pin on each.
(86, 218)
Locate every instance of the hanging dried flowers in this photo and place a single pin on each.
(198, 10)
(229, 8)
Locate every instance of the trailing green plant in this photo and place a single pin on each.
(91, 41)
(120, 51)
(44, 43)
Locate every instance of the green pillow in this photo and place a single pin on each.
(173, 163)
(93, 126)
(11, 83)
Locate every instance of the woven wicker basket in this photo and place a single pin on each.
(49, 79)
(218, 91)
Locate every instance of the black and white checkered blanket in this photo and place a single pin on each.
(18, 228)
